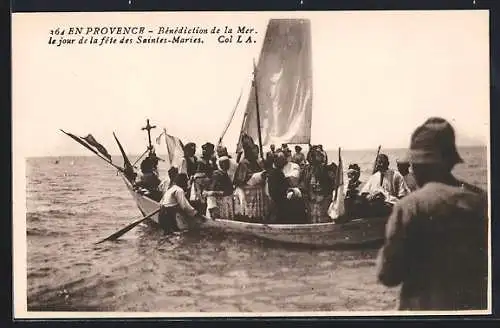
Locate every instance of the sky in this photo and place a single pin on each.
(376, 76)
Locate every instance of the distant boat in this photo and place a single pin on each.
(56, 161)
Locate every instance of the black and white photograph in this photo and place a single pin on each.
(176, 164)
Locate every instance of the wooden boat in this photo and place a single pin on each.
(277, 116)
(274, 114)
(356, 232)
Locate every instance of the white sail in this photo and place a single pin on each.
(283, 80)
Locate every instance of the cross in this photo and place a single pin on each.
(148, 128)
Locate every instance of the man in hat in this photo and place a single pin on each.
(404, 169)
(436, 238)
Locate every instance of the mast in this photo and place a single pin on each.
(257, 109)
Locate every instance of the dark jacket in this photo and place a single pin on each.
(436, 247)
(221, 182)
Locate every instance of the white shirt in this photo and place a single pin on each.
(393, 185)
(175, 196)
(292, 171)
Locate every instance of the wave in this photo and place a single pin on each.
(59, 213)
(105, 198)
(72, 189)
(32, 217)
(38, 232)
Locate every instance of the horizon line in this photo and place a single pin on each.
(88, 154)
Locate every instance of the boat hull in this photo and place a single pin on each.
(355, 232)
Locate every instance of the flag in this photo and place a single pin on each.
(86, 145)
(158, 139)
(337, 208)
(175, 149)
(129, 169)
(91, 141)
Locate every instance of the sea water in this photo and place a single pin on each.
(77, 201)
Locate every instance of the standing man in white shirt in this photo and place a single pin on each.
(174, 206)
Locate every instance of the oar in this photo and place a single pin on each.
(123, 231)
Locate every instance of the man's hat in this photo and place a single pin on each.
(434, 142)
(223, 159)
(403, 161)
(354, 167)
(190, 145)
(208, 146)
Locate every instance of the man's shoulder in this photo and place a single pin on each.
(434, 194)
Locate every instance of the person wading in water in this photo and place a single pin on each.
(174, 205)
(436, 242)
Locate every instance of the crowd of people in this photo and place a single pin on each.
(281, 187)
(436, 234)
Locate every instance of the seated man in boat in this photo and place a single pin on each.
(148, 181)
(317, 186)
(299, 157)
(384, 187)
(174, 206)
(404, 169)
(202, 177)
(288, 205)
(222, 152)
(219, 193)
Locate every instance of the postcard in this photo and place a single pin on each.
(181, 164)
